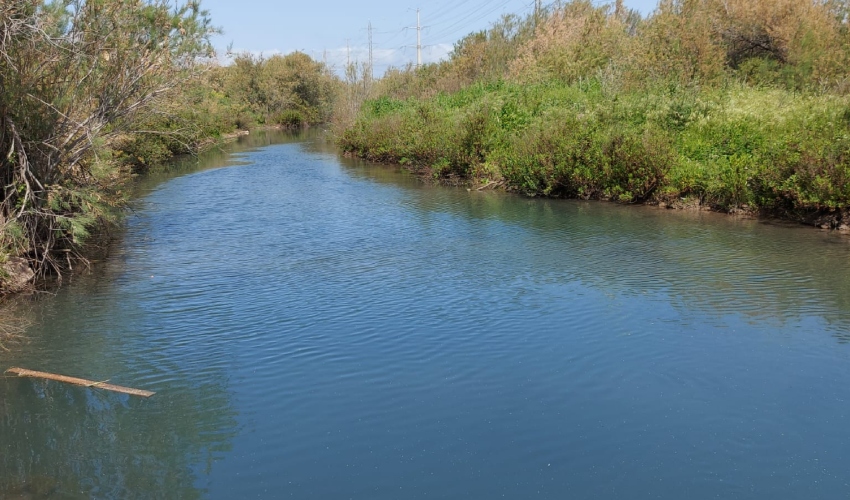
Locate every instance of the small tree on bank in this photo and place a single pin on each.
(74, 76)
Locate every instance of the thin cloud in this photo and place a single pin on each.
(338, 57)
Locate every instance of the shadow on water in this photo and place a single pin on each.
(227, 155)
(59, 441)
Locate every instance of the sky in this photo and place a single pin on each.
(336, 30)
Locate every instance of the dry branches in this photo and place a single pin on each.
(75, 75)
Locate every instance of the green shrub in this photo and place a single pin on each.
(383, 106)
(245, 121)
(290, 119)
(560, 155)
(728, 147)
(637, 163)
(808, 176)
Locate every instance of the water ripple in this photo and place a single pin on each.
(321, 328)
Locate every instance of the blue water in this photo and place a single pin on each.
(317, 327)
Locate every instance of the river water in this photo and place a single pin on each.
(323, 328)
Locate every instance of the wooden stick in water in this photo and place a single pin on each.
(79, 381)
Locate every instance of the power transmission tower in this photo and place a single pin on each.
(418, 29)
(371, 55)
(347, 52)
(418, 41)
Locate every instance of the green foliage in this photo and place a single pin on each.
(77, 79)
(290, 119)
(13, 239)
(560, 155)
(383, 106)
(729, 148)
(290, 91)
(638, 163)
(267, 89)
(731, 102)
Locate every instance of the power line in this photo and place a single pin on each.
(460, 24)
(448, 12)
(450, 18)
(371, 55)
(395, 36)
(418, 40)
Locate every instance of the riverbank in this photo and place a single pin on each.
(17, 275)
(70, 148)
(729, 106)
(735, 149)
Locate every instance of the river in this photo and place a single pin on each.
(322, 328)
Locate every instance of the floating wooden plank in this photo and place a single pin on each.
(79, 381)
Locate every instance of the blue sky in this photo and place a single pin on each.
(333, 30)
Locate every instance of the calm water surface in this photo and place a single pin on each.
(319, 328)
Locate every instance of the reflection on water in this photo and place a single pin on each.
(767, 270)
(74, 443)
(58, 441)
(319, 327)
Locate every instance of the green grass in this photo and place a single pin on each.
(731, 147)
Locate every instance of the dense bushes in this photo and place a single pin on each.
(281, 86)
(289, 91)
(727, 148)
(728, 103)
(76, 78)
(91, 92)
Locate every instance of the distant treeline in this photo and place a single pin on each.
(735, 104)
(288, 91)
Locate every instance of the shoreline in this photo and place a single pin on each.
(731, 149)
(17, 276)
(837, 220)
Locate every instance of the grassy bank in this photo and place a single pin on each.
(729, 148)
(728, 105)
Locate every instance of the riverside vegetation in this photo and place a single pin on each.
(729, 104)
(93, 92)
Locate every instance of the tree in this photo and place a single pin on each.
(74, 76)
(269, 87)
